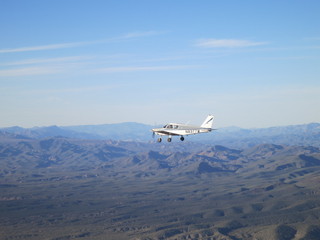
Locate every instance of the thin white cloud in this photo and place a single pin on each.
(78, 44)
(44, 66)
(28, 71)
(71, 90)
(47, 60)
(142, 69)
(227, 43)
(45, 69)
(44, 47)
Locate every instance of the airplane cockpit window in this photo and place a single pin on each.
(170, 126)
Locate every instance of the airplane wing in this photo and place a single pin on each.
(163, 132)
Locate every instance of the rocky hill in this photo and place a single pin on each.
(58, 188)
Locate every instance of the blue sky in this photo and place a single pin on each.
(250, 63)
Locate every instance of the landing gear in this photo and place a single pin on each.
(169, 139)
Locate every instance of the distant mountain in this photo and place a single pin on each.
(306, 134)
(119, 131)
(44, 132)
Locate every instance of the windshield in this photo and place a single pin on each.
(171, 126)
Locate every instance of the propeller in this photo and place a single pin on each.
(154, 126)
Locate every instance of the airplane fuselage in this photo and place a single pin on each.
(178, 129)
(175, 129)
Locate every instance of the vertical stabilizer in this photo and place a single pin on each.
(208, 122)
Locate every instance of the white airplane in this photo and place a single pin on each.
(177, 129)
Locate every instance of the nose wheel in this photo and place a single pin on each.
(182, 138)
(159, 139)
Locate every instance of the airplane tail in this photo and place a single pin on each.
(208, 122)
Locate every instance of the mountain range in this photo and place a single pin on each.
(234, 137)
(67, 188)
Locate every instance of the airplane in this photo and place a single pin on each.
(178, 129)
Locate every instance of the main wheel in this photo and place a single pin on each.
(169, 139)
(181, 138)
(159, 139)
